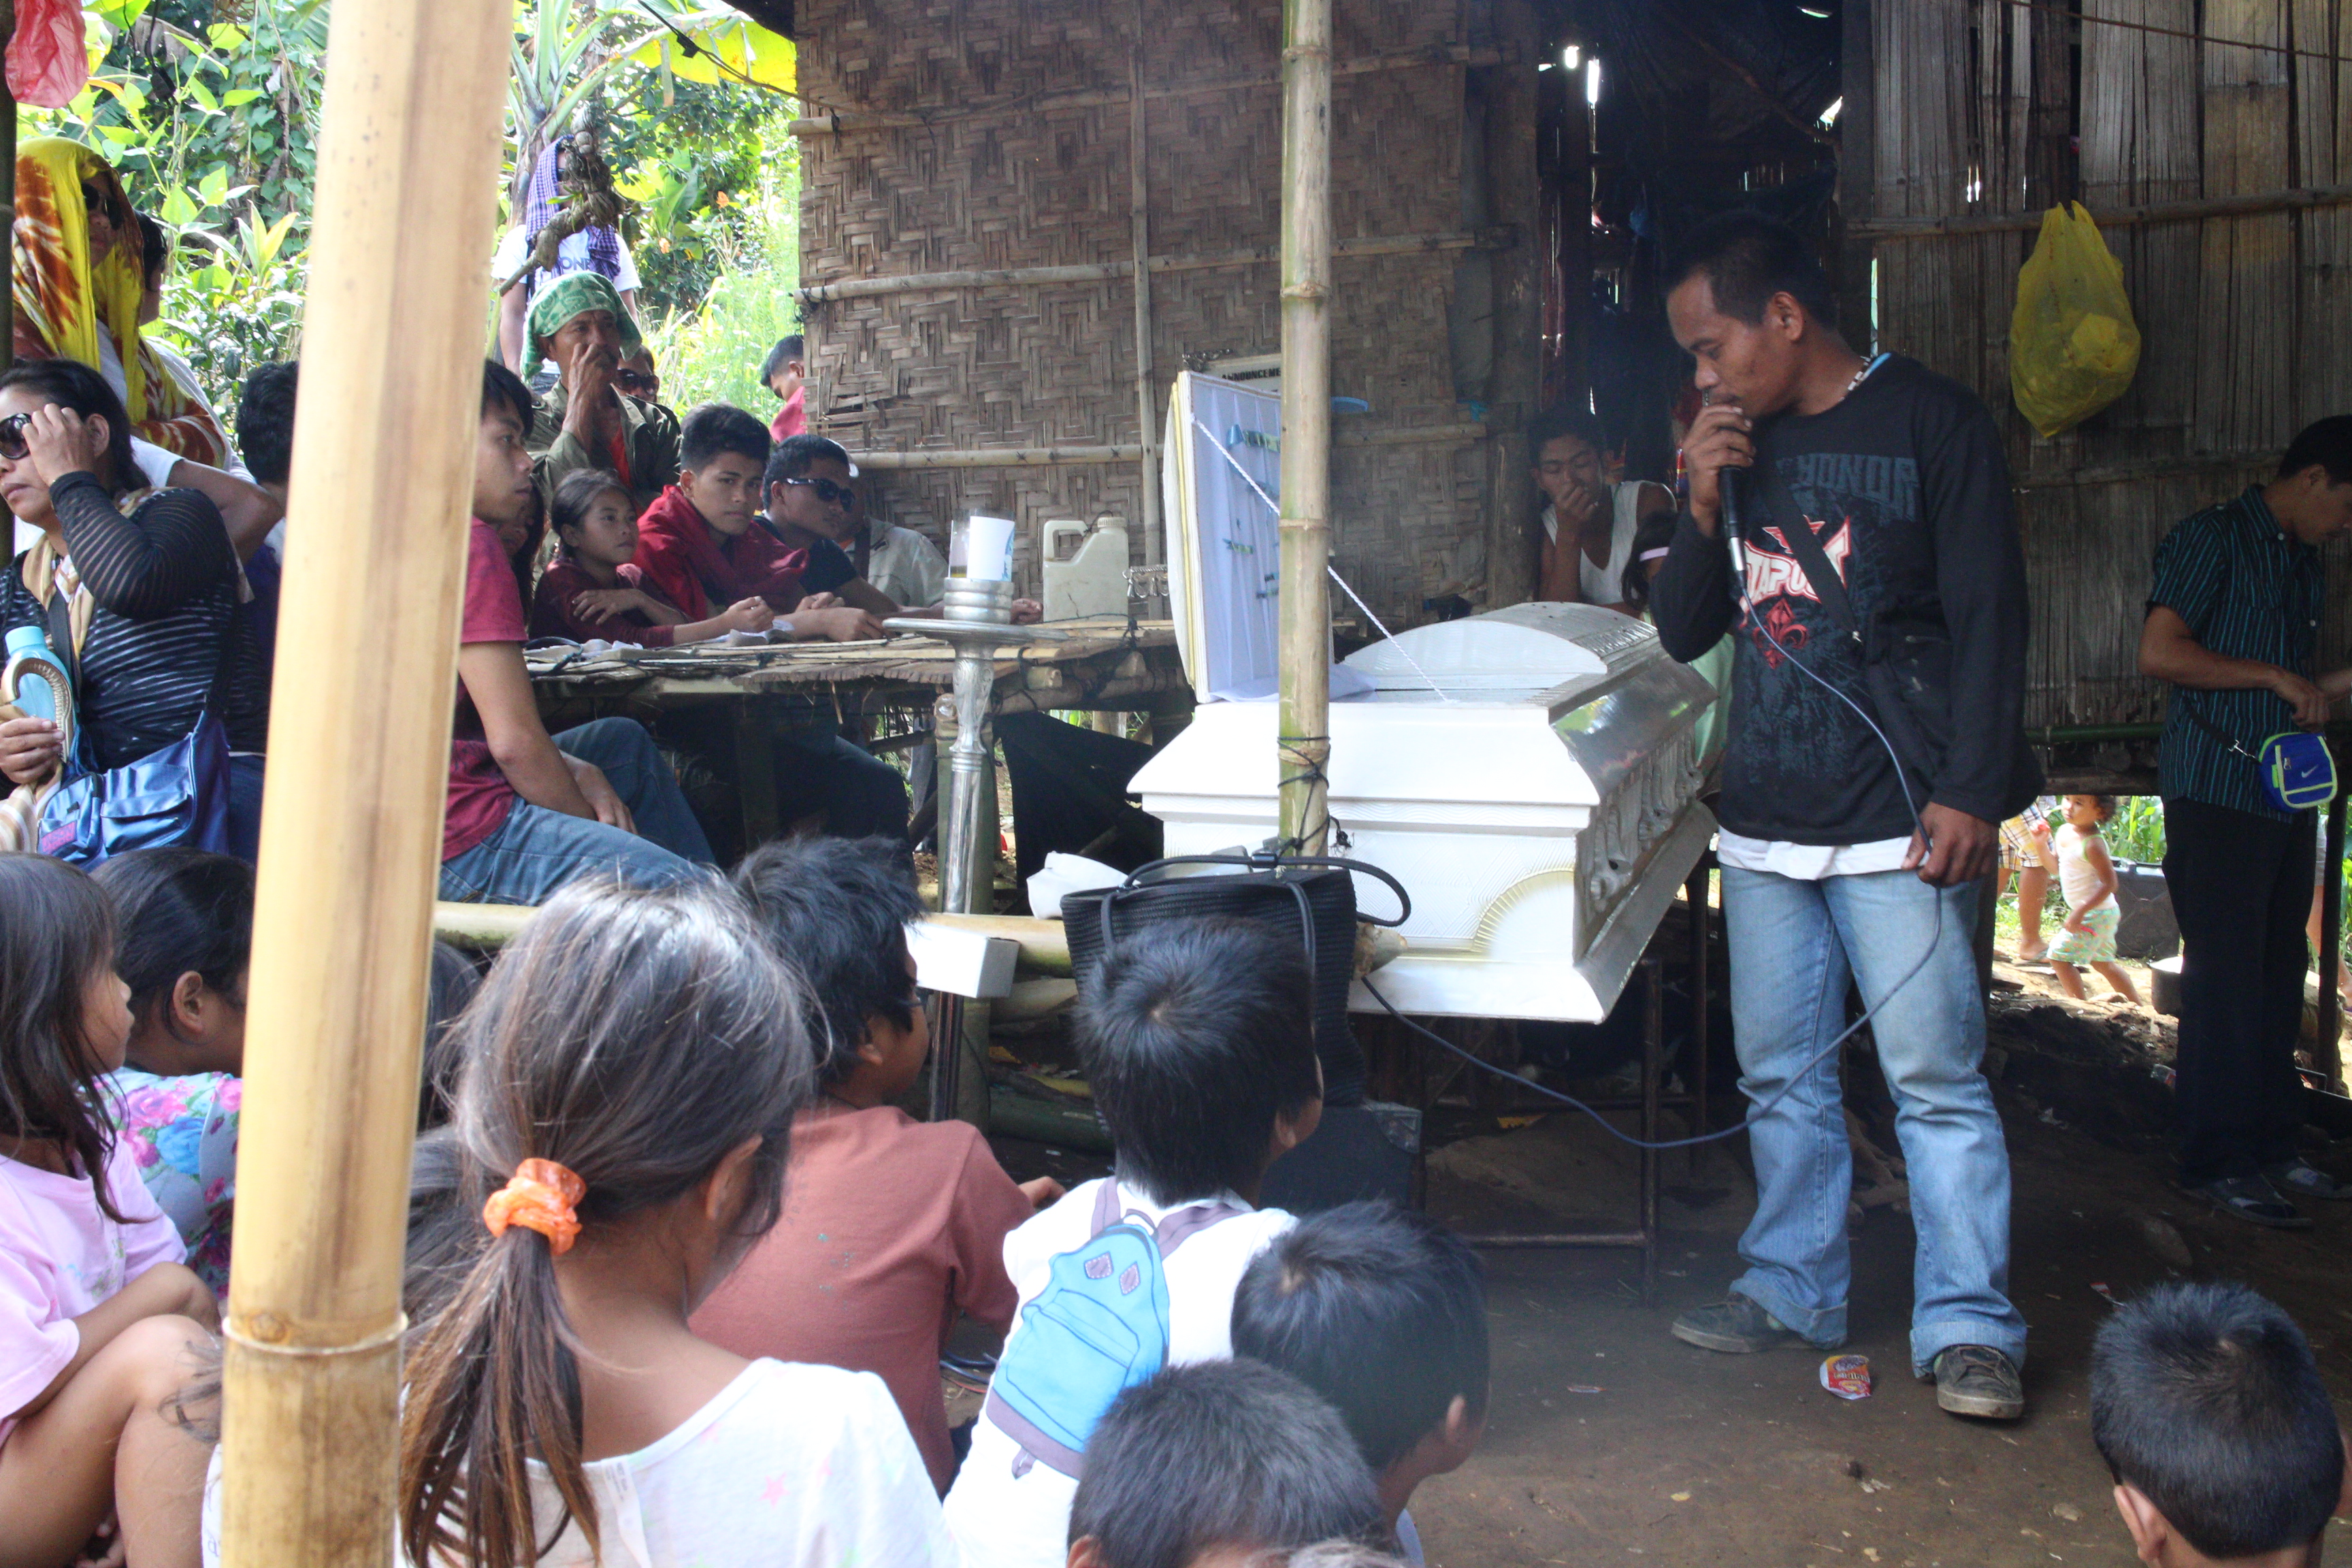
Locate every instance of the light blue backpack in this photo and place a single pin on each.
(1098, 1327)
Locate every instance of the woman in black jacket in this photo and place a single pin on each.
(150, 592)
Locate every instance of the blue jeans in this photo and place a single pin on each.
(1794, 946)
(536, 851)
(860, 796)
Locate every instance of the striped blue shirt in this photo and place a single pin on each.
(2248, 589)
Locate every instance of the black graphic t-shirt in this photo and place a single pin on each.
(1904, 484)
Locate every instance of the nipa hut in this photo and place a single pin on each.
(980, 186)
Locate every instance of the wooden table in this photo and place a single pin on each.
(1102, 665)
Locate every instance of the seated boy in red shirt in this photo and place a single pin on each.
(891, 1226)
(594, 589)
(529, 812)
(699, 547)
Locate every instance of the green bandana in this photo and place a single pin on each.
(575, 295)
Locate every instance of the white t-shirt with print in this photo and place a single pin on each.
(1002, 1520)
(571, 256)
(788, 1467)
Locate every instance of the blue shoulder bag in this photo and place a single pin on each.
(177, 795)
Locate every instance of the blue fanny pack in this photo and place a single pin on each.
(2296, 768)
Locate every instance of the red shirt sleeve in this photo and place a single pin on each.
(551, 614)
(987, 1206)
(661, 563)
(493, 600)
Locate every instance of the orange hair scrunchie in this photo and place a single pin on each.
(542, 1197)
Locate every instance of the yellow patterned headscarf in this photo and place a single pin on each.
(66, 298)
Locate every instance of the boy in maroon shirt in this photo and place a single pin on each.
(699, 546)
(528, 811)
(892, 1227)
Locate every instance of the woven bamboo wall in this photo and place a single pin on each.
(1030, 365)
(2243, 320)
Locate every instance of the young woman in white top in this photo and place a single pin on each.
(1588, 523)
(636, 1062)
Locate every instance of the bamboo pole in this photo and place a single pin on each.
(1303, 742)
(9, 192)
(1138, 203)
(2251, 203)
(999, 456)
(350, 838)
(1106, 271)
(849, 121)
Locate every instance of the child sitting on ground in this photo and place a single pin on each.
(2209, 1410)
(1383, 1313)
(2086, 875)
(186, 923)
(592, 588)
(1197, 1039)
(102, 1328)
(1218, 1466)
(891, 1226)
(631, 1068)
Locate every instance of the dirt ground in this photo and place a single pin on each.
(1607, 1439)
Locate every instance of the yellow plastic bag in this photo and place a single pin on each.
(2072, 345)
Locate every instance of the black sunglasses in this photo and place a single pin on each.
(635, 381)
(826, 490)
(12, 436)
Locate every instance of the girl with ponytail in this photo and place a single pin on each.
(631, 1068)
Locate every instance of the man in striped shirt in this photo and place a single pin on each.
(2234, 624)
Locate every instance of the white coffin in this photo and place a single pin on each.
(1542, 812)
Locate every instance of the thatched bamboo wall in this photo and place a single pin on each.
(2244, 320)
(1034, 365)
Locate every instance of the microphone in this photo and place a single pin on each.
(1728, 481)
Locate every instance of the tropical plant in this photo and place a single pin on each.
(712, 354)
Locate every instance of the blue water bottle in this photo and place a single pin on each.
(35, 679)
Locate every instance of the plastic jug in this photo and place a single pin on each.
(1085, 568)
(35, 679)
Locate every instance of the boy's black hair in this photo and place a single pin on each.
(717, 428)
(796, 455)
(503, 389)
(1196, 1036)
(70, 383)
(839, 908)
(450, 985)
(1747, 257)
(1381, 1311)
(1655, 531)
(2206, 1398)
(265, 420)
(1218, 1454)
(178, 910)
(1564, 419)
(2323, 444)
(791, 347)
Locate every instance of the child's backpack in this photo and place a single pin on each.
(1098, 1327)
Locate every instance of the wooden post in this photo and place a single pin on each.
(1147, 410)
(1515, 197)
(8, 191)
(1305, 708)
(359, 753)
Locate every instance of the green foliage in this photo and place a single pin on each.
(209, 108)
(713, 355)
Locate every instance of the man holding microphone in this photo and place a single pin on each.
(1898, 612)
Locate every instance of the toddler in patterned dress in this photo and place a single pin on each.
(2087, 876)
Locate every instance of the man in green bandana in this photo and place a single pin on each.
(586, 421)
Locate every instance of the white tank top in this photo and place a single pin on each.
(1605, 584)
(2075, 878)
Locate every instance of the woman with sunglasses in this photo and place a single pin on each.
(142, 583)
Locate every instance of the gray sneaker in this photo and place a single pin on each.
(1978, 1380)
(2298, 1178)
(2252, 1198)
(1735, 1327)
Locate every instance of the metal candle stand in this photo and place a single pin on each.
(976, 620)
